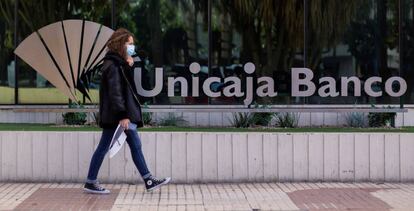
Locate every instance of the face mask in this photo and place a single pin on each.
(130, 50)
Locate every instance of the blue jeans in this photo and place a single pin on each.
(103, 147)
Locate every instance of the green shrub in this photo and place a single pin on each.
(146, 116)
(74, 118)
(355, 119)
(241, 119)
(96, 118)
(173, 120)
(287, 119)
(262, 118)
(382, 119)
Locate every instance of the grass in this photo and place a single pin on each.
(40, 95)
(50, 127)
(6, 95)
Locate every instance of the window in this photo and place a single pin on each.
(407, 45)
(171, 35)
(359, 40)
(7, 63)
(336, 39)
(268, 34)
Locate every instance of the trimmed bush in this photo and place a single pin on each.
(74, 118)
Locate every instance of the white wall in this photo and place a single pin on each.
(214, 157)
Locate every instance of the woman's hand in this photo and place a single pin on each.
(130, 61)
(124, 123)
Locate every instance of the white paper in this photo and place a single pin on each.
(117, 141)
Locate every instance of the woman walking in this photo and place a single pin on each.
(119, 104)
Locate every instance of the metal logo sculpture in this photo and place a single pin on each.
(65, 52)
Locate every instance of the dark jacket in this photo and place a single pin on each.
(117, 100)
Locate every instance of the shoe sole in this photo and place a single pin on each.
(167, 180)
(96, 192)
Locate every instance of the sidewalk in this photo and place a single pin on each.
(236, 196)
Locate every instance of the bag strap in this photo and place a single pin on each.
(129, 85)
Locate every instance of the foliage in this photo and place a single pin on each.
(51, 127)
(262, 118)
(151, 20)
(272, 29)
(381, 119)
(275, 28)
(74, 118)
(173, 120)
(287, 119)
(355, 119)
(146, 116)
(52, 11)
(241, 119)
(96, 118)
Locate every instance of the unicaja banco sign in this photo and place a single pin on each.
(302, 85)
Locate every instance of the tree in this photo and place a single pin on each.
(274, 29)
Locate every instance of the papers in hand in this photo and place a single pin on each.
(117, 141)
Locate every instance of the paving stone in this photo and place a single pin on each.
(54, 198)
(235, 196)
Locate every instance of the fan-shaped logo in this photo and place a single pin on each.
(64, 53)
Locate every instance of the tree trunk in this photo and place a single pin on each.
(155, 31)
(251, 41)
(381, 45)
